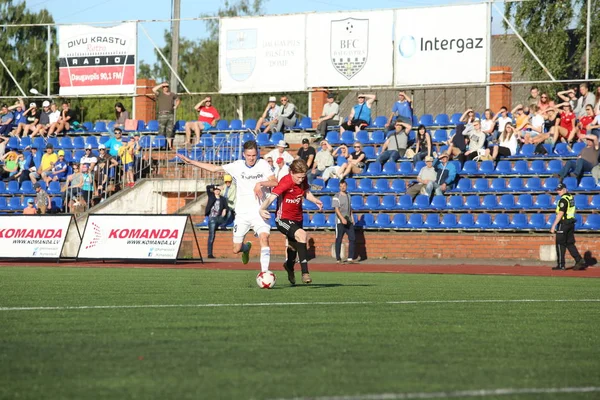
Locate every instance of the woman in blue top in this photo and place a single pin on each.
(360, 116)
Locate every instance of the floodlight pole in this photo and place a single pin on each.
(587, 40)
(175, 43)
(48, 60)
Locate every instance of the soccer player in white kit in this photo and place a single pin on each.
(252, 177)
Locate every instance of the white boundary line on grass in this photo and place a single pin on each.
(450, 395)
(314, 303)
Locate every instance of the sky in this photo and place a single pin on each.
(77, 11)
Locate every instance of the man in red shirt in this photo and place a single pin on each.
(290, 191)
(207, 118)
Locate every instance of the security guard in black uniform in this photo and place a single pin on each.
(564, 227)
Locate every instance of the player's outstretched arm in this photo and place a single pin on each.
(205, 166)
(311, 197)
(271, 182)
(264, 213)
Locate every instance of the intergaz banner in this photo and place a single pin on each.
(349, 49)
(150, 237)
(437, 45)
(33, 236)
(262, 54)
(96, 60)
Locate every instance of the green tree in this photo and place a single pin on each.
(23, 49)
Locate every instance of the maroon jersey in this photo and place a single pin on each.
(290, 198)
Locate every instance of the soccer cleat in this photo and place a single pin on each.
(557, 268)
(306, 278)
(579, 265)
(246, 254)
(290, 272)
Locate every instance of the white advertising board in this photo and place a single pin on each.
(437, 45)
(149, 237)
(33, 236)
(349, 49)
(97, 60)
(262, 54)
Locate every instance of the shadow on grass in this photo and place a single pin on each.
(326, 285)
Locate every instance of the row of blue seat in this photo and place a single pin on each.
(17, 204)
(13, 188)
(78, 142)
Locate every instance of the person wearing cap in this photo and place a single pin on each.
(44, 120)
(267, 120)
(42, 200)
(402, 110)
(360, 116)
(88, 158)
(307, 153)
(48, 160)
(323, 160)
(280, 151)
(586, 160)
(167, 103)
(281, 169)
(32, 117)
(207, 118)
(396, 144)
(287, 115)
(216, 211)
(59, 169)
(425, 180)
(6, 120)
(67, 120)
(30, 208)
(329, 117)
(446, 174)
(564, 228)
(229, 191)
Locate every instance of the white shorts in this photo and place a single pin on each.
(243, 224)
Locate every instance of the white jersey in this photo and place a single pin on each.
(245, 179)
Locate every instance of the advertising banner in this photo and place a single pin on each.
(96, 60)
(437, 45)
(349, 49)
(33, 236)
(149, 237)
(262, 54)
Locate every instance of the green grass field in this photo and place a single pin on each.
(350, 341)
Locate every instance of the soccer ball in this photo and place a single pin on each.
(266, 280)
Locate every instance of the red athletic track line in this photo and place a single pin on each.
(461, 269)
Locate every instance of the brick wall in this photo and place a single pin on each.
(317, 101)
(145, 108)
(500, 95)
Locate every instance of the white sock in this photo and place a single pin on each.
(265, 258)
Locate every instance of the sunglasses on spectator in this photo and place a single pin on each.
(356, 147)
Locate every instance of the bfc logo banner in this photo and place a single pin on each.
(263, 54)
(441, 45)
(96, 60)
(156, 237)
(349, 49)
(33, 236)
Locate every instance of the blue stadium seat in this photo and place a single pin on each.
(25, 141)
(390, 168)
(455, 118)
(222, 125)
(592, 222)
(220, 139)
(146, 142)
(581, 201)
(404, 202)
(466, 221)
(405, 168)
(537, 167)
(78, 143)
(14, 204)
(152, 126)
(418, 166)
(351, 183)
(503, 168)
(516, 185)
(366, 221)
(464, 186)
(363, 137)
(381, 186)
(377, 137)
(2, 188)
(543, 202)
(318, 221)
(570, 183)
(562, 150)
(553, 167)
(507, 202)
(262, 139)
(13, 188)
(327, 203)
(525, 202)
(399, 221)
(388, 202)
(486, 167)
(159, 142)
(306, 124)
(398, 186)
(54, 142)
(203, 223)
(383, 221)
(276, 137)
(57, 203)
(449, 221)
(92, 140)
(490, 202)
(250, 123)
(373, 202)
(498, 185)
(347, 138)
(501, 221)
(100, 127)
(455, 203)
(88, 126)
(38, 143)
(415, 221)
(357, 203)
(441, 120)
(235, 125)
(333, 186)
(519, 222)
(432, 221)
(440, 136)
(520, 167)
(533, 184)
(484, 221)
(474, 203)
(370, 153)
(207, 140)
(27, 188)
(333, 137)
(527, 150)
(469, 168)
(331, 221)
(380, 121)
(537, 222)
(595, 202)
(587, 183)
(481, 185)
(577, 147)
(426, 119)
(439, 202)
(421, 202)
(308, 205)
(246, 137)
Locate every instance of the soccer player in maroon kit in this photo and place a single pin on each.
(291, 190)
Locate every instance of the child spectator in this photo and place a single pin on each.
(30, 208)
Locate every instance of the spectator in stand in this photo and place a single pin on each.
(270, 162)
(30, 208)
(32, 163)
(507, 145)
(360, 116)
(207, 118)
(476, 140)
(127, 156)
(323, 160)
(468, 117)
(356, 162)
(229, 191)
(167, 107)
(551, 122)
(423, 144)
(597, 105)
(287, 115)
(44, 120)
(106, 159)
(401, 111)
(566, 129)
(457, 144)
(446, 175)
(396, 144)
(73, 183)
(280, 151)
(344, 223)
(53, 115)
(586, 161)
(521, 116)
(121, 115)
(545, 102)
(115, 143)
(534, 128)
(88, 187)
(32, 117)
(584, 122)
(307, 153)
(329, 117)
(594, 126)
(281, 169)
(585, 98)
(18, 109)
(11, 164)
(534, 96)
(48, 161)
(216, 211)
(502, 119)
(267, 120)
(425, 180)
(596, 174)
(67, 120)
(6, 120)
(488, 125)
(42, 200)
(335, 170)
(89, 158)
(569, 96)
(59, 169)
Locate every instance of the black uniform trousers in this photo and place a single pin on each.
(565, 240)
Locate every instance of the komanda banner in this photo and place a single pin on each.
(33, 236)
(437, 45)
(262, 54)
(349, 49)
(150, 237)
(97, 60)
